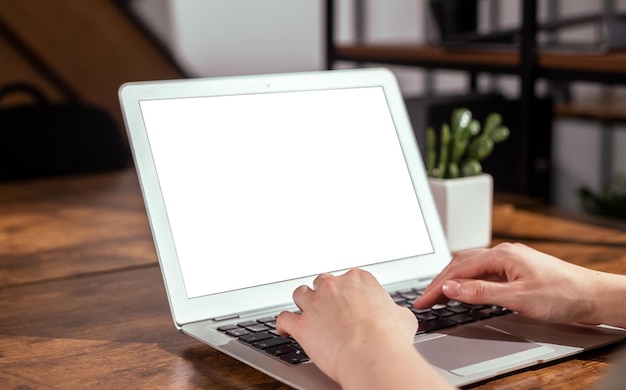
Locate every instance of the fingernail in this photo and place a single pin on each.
(451, 288)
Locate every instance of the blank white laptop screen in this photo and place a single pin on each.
(278, 186)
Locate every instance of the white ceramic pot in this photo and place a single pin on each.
(464, 205)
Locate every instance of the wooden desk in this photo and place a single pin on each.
(83, 304)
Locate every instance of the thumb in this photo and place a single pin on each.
(475, 291)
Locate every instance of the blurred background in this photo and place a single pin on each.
(75, 50)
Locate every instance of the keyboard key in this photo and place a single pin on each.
(247, 323)
(442, 312)
(458, 309)
(474, 307)
(438, 324)
(271, 342)
(497, 311)
(295, 357)
(461, 318)
(426, 316)
(410, 296)
(399, 300)
(237, 332)
(253, 337)
(271, 324)
(257, 328)
(480, 314)
(224, 328)
(280, 349)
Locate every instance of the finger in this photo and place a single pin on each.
(465, 261)
(320, 279)
(301, 296)
(424, 302)
(481, 292)
(475, 264)
(469, 253)
(286, 323)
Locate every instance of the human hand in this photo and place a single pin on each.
(519, 278)
(354, 332)
(341, 319)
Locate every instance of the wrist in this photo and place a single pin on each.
(372, 366)
(608, 300)
(394, 365)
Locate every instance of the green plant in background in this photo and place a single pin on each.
(610, 201)
(462, 145)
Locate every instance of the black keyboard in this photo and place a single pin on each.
(445, 316)
(262, 335)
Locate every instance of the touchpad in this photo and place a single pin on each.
(474, 349)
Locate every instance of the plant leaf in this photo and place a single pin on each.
(471, 167)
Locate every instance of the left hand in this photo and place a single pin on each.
(342, 318)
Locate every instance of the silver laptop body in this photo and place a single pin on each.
(255, 184)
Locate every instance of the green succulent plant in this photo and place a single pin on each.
(462, 145)
(609, 201)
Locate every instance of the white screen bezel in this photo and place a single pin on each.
(187, 310)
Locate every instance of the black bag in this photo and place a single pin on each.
(46, 139)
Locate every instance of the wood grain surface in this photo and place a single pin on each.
(82, 302)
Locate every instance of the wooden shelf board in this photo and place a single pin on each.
(507, 60)
(420, 55)
(601, 110)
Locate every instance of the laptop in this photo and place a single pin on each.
(254, 185)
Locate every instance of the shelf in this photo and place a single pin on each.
(430, 57)
(525, 60)
(602, 109)
(598, 67)
(560, 65)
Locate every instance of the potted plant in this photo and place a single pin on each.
(609, 201)
(462, 192)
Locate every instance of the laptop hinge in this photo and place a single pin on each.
(257, 313)
(225, 318)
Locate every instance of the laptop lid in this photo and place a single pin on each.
(255, 184)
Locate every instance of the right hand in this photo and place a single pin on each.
(521, 279)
